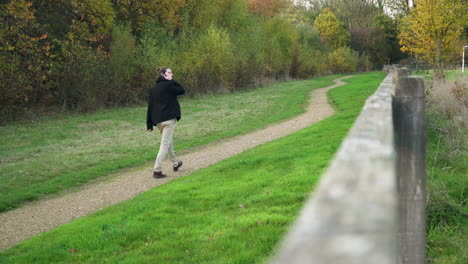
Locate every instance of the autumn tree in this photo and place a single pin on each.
(267, 8)
(331, 30)
(83, 55)
(371, 41)
(352, 13)
(85, 21)
(201, 15)
(166, 13)
(24, 53)
(389, 26)
(431, 31)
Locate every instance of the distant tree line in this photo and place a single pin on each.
(84, 55)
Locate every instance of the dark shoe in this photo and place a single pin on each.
(176, 168)
(158, 174)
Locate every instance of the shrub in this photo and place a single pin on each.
(206, 61)
(450, 99)
(342, 60)
(25, 60)
(281, 41)
(124, 82)
(80, 77)
(312, 62)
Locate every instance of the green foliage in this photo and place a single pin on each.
(88, 21)
(25, 58)
(311, 61)
(308, 36)
(311, 56)
(281, 39)
(206, 61)
(199, 15)
(87, 55)
(373, 42)
(167, 13)
(390, 28)
(352, 13)
(432, 32)
(125, 84)
(343, 60)
(267, 8)
(332, 31)
(79, 75)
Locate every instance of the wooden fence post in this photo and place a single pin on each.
(408, 117)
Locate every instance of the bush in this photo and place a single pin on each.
(206, 61)
(281, 40)
(249, 42)
(25, 60)
(312, 62)
(123, 75)
(80, 78)
(342, 60)
(86, 60)
(450, 100)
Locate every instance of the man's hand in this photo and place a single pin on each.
(150, 130)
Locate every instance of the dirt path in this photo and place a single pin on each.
(39, 217)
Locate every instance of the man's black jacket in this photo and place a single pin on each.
(163, 104)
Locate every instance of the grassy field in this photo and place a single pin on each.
(449, 74)
(46, 156)
(447, 168)
(447, 211)
(235, 211)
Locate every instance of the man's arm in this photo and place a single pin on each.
(149, 123)
(177, 88)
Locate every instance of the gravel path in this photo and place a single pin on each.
(38, 217)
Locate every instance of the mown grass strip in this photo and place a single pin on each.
(50, 155)
(235, 211)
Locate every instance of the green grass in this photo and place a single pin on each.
(447, 211)
(47, 156)
(447, 168)
(199, 218)
(449, 74)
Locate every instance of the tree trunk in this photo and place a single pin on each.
(439, 65)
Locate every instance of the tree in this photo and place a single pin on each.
(267, 8)
(200, 15)
(85, 21)
(166, 13)
(397, 8)
(389, 26)
(371, 41)
(431, 31)
(353, 13)
(331, 31)
(25, 56)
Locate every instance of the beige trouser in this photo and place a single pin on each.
(167, 131)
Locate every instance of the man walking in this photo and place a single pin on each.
(164, 112)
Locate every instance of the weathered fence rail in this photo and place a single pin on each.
(369, 205)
